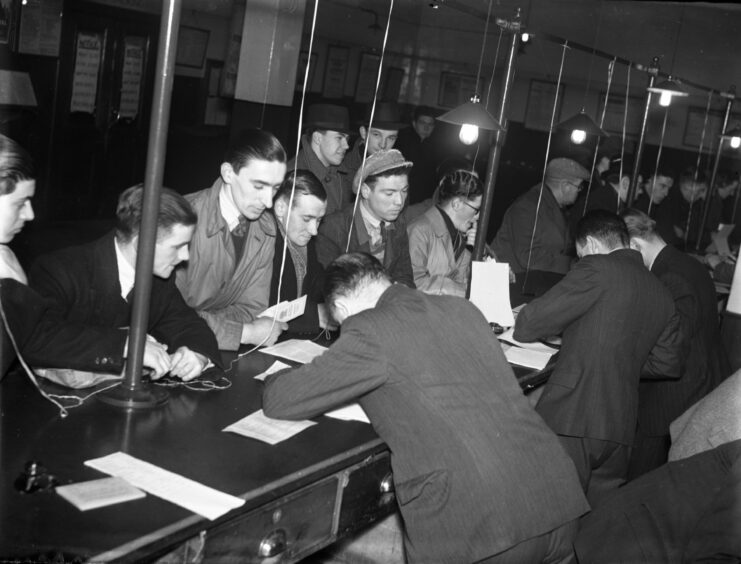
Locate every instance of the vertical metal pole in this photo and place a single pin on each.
(730, 97)
(653, 70)
(495, 152)
(131, 394)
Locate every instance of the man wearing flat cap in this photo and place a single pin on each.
(545, 245)
(377, 136)
(375, 225)
(323, 149)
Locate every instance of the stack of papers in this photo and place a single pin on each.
(189, 494)
(99, 493)
(296, 350)
(508, 337)
(272, 431)
(526, 357)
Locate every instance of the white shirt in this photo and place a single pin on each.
(228, 208)
(126, 271)
(372, 224)
(10, 267)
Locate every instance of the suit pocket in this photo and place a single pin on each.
(433, 484)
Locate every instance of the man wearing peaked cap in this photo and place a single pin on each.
(551, 241)
(323, 149)
(377, 136)
(376, 225)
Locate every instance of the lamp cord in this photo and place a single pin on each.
(483, 47)
(591, 58)
(697, 173)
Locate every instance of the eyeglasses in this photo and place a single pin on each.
(474, 208)
(576, 185)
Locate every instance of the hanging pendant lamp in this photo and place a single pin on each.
(733, 136)
(667, 90)
(581, 125)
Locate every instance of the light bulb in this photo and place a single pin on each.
(525, 37)
(469, 134)
(665, 99)
(735, 142)
(578, 136)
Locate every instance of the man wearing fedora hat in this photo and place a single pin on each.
(323, 149)
(376, 225)
(377, 136)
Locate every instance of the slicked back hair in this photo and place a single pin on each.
(604, 226)
(349, 273)
(639, 224)
(307, 184)
(254, 144)
(16, 165)
(174, 210)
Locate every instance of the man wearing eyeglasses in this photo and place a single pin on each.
(544, 245)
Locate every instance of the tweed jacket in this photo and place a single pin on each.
(225, 290)
(332, 240)
(617, 321)
(435, 268)
(83, 288)
(475, 469)
(552, 243)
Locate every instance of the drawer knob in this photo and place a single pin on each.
(387, 484)
(273, 544)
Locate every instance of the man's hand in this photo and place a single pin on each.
(262, 331)
(186, 364)
(156, 358)
(325, 319)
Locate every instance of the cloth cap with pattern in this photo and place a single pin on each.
(565, 169)
(378, 162)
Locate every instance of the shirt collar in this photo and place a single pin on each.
(126, 271)
(228, 208)
(370, 220)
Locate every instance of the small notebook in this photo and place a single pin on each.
(99, 493)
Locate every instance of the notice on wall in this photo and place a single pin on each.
(85, 77)
(41, 27)
(131, 78)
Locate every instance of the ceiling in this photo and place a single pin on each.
(695, 41)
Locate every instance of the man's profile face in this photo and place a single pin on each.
(171, 249)
(570, 190)
(378, 139)
(303, 222)
(331, 146)
(424, 126)
(386, 199)
(728, 190)
(658, 188)
(693, 191)
(16, 210)
(254, 185)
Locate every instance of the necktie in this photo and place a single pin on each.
(241, 229)
(384, 233)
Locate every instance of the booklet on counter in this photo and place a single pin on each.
(99, 493)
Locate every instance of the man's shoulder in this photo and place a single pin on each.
(339, 218)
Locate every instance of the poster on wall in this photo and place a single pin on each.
(334, 74)
(6, 19)
(367, 76)
(540, 104)
(87, 67)
(40, 28)
(131, 79)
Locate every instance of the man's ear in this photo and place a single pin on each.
(593, 245)
(280, 207)
(316, 138)
(365, 191)
(635, 244)
(227, 172)
(363, 132)
(340, 309)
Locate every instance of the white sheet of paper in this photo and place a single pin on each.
(286, 311)
(277, 366)
(296, 349)
(508, 336)
(490, 291)
(259, 426)
(352, 412)
(175, 488)
(526, 357)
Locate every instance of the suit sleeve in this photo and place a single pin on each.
(668, 355)
(178, 325)
(352, 367)
(555, 310)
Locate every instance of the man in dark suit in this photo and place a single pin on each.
(617, 321)
(478, 475)
(375, 224)
(91, 284)
(693, 291)
(298, 219)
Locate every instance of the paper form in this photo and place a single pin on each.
(99, 493)
(272, 431)
(277, 366)
(296, 350)
(191, 495)
(286, 311)
(490, 291)
(352, 412)
(525, 357)
(508, 337)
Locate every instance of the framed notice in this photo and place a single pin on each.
(615, 115)
(455, 89)
(335, 71)
(695, 124)
(304, 60)
(192, 46)
(6, 20)
(131, 78)
(541, 99)
(88, 54)
(40, 27)
(367, 75)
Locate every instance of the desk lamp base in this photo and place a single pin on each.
(144, 396)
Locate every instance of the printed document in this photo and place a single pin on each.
(286, 311)
(490, 291)
(272, 431)
(296, 350)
